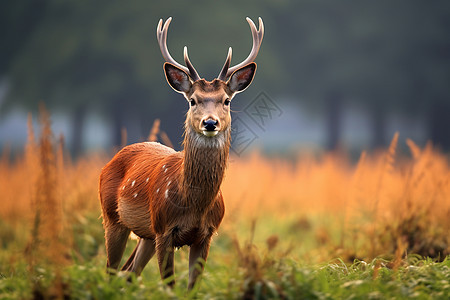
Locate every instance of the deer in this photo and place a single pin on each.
(172, 199)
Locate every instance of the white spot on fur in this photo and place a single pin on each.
(157, 191)
(132, 184)
(167, 193)
(123, 187)
(164, 166)
(135, 195)
(165, 170)
(169, 183)
(146, 180)
(128, 180)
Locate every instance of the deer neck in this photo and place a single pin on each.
(204, 164)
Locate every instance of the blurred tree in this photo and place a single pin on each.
(79, 56)
(103, 56)
(384, 56)
(404, 42)
(18, 19)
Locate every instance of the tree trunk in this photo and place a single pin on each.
(440, 124)
(118, 124)
(333, 120)
(78, 123)
(172, 120)
(378, 127)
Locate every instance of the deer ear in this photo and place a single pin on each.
(241, 78)
(177, 78)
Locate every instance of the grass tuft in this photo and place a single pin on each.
(316, 228)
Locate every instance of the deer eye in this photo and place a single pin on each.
(192, 102)
(227, 102)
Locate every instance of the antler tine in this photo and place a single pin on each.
(257, 35)
(192, 71)
(223, 73)
(161, 34)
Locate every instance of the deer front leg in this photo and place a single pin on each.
(164, 252)
(197, 259)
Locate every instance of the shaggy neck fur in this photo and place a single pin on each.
(205, 160)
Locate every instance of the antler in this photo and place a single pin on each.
(257, 40)
(161, 34)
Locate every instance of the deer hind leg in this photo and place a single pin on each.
(116, 237)
(144, 251)
(130, 259)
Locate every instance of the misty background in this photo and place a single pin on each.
(337, 74)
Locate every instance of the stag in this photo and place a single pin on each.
(171, 199)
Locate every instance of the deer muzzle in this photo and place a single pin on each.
(210, 127)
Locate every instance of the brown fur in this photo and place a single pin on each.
(167, 198)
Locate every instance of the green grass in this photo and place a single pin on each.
(352, 235)
(238, 267)
(287, 279)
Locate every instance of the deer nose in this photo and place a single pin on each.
(210, 124)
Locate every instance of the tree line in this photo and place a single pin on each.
(102, 56)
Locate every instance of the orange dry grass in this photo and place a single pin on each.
(74, 184)
(42, 196)
(374, 207)
(383, 205)
(256, 186)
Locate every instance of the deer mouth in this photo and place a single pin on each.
(210, 127)
(210, 133)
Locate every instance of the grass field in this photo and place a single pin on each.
(313, 227)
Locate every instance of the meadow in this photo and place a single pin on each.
(317, 226)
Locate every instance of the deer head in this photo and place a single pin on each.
(209, 101)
